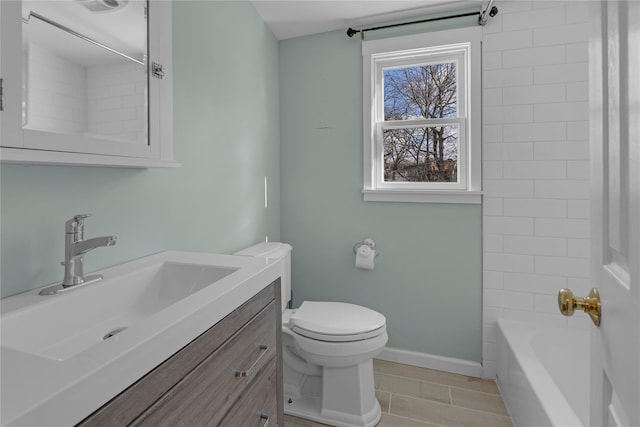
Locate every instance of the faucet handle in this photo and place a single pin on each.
(75, 224)
(80, 217)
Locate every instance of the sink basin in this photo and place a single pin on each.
(61, 326)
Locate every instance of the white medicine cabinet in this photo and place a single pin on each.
(86, 82)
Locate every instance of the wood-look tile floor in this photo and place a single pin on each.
(419, 397)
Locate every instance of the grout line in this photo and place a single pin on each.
(480, 392)
(426, 423)
(412, 379)
(441, 384)
(481, 410)
(414, 396)
(435, 371)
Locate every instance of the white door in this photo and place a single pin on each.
(615, 152)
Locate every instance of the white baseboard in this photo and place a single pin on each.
(432, 361)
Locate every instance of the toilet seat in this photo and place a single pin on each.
(336, 321)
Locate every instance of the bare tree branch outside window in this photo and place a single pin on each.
(421, 153)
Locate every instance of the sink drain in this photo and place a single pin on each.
(114, 332)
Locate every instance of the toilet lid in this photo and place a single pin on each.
(336, 321)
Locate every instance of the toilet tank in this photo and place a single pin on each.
(275, 250)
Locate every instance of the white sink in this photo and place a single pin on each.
(70, 323)
(65, 355)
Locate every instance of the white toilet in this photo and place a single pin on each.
(328, 350)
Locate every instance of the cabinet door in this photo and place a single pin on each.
(258, 406)
(132, 126)
(209, 391)
(10, 72)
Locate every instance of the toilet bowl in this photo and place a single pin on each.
(328, 350)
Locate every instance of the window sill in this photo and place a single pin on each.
(421, 196)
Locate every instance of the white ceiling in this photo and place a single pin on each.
(294, 18)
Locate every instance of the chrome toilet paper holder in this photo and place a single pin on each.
(366, 242)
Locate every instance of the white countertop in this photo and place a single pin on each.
(40, 391)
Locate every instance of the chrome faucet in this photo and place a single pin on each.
(75, 246)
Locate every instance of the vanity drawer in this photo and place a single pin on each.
(145, 396)
(258, 407)
(210, 390)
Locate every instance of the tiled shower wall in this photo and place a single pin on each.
(116, 101)
(535, 163)
(104, 100)
(56, 100)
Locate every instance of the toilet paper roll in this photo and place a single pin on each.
(365, 257)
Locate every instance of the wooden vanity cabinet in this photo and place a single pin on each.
(231, 375)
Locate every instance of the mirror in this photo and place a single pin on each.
(85, 68)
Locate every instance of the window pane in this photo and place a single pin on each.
(421, 154)
(428, 91)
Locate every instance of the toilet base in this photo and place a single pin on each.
(342, 397)
(309, 407)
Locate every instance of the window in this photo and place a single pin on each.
(422, 118)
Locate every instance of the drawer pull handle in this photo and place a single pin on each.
(265, 417)
(263, 350)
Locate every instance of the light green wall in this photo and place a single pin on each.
(226, 137)
(427, 279)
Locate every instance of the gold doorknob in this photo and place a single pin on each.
(568, 303)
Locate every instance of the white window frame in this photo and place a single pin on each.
(462, 46)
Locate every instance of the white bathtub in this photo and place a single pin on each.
(543, 374)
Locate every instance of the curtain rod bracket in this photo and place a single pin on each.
(493, 11)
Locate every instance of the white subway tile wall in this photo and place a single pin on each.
(535, 163)
(56, 99)
(106, 100)
(116, 104)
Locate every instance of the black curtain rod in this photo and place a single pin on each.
(492, 12)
